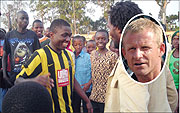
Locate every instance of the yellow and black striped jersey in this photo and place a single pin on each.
(61, 68)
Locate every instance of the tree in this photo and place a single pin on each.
(9, 12)
(105, 4)
(162, 13)
(85, 27)
(73, 11)
(41, 7)
(99, 24)
(171, 21)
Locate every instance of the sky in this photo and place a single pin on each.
(153, 8)
(148, 6)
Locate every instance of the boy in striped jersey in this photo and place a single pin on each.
(53, 67)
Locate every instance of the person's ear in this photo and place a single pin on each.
(51, 34)
(118, 30)
(162, 49)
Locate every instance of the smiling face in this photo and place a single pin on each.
(90, 46)
(61, 38)
(78, 45)
(38, 29)
(101, 40)
(143, 54)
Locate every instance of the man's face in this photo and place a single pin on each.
(101, 39)
(22, 20)
(90, 46)
(78, 45)
(38, 29)
(61, 38)
(114, 33)
(143, 53)
(175, 42)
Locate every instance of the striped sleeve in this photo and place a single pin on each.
(32, 68)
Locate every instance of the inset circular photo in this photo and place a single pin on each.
(143, 48)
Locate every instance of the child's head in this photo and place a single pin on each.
(101, 38)
(112, 46)
(2, 34)
(175, 40)
(78, 43)
(60, 34)
(46, 33)
(84, 40)
(90, 46)
(22, 19)
(38, 28)
(27, 97)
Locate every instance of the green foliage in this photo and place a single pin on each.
(105, 4)
(171, 22)
(171, 18)
(176, 28)
(162, 13)
(99, 24)
(9, 11)
(73, 11)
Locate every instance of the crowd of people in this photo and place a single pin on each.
(137, 73)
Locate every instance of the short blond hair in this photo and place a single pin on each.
(144, 24)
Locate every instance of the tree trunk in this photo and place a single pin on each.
(74, 22)
(164, 12)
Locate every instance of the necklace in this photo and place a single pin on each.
(100, 54)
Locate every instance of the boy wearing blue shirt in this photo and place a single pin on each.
(82, 72)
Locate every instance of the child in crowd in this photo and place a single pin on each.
(3, 88)
(45, 41)
(38, 28)
(82, 72)
(27, 97)
(84, 40)
(90, 46)
(47, 32)
(173, 62)
(102, 63)
(19, 44)
(2, 36)
(52, 66)
(112, 48)
(174, 59)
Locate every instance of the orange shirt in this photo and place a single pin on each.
(43, 39)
